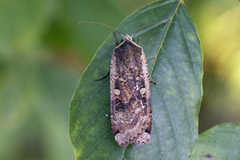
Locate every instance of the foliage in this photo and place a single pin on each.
(174, 58)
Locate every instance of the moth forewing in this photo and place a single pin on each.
(130, 99)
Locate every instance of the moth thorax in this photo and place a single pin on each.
(127, 37)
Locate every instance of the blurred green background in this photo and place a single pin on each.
(43, 52)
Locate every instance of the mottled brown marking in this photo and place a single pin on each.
(131, 111)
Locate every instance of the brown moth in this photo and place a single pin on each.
(130, 97)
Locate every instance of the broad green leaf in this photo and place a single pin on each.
(174, 59)
(219, 142)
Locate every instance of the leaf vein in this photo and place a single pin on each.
(98, 62)
(124, 152)
(157, 139)
(174, 132)
(184, 99)
(148, 9)
(97, 144)
(154, 63)
(91, 123)
(80, 106)
(194, 72)
(160, 46)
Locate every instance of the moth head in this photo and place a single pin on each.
(127, 37)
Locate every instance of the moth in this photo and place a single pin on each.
(130, 96)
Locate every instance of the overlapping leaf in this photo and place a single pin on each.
(219, 142)
(174, 59)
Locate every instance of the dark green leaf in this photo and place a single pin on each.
(174, 59)
(219, 142)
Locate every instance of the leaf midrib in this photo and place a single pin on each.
(163, 39)
(158, 54)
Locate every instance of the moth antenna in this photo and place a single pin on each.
(149, 26)
(103, 25)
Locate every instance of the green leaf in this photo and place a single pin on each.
(174, 59)
(219, 142)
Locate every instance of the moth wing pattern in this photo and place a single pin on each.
(130, 99)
